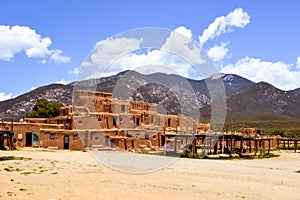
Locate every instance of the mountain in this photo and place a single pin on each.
(261, 101)
(174, 94)
(16, 108)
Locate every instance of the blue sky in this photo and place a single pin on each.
(43, 42)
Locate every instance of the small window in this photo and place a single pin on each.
(137, 135)
(99, 119)
(115, 121)
(96, 138)
(52, 136)
(123, 108)
(146, 136)
(75, 137)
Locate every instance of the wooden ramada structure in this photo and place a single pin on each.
(99, 121)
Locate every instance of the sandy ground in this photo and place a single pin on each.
(77, 175)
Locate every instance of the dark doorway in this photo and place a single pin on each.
(28, 142)
(66, 142)
(162, 140)
(138, 121)
(106, 141)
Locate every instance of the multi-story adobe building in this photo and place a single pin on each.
(98, 120)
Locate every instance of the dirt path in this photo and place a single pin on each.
(76, 175)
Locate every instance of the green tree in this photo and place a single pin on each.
(44, 109)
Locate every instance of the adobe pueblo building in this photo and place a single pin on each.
(98, 121)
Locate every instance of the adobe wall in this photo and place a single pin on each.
(20, 129)
(55, 138)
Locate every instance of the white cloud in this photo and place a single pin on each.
(224, 24)
(17, 39)
(218, 52)
(105, 53)
(177, 55)
(62, 81)
(33, 88)
(184, 31)
(184, 46)
(58, 58)
(298, 62)
(278, 74)
(154, 61)
(4, 96)
(74, 71)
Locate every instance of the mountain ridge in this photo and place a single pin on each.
(245, 99)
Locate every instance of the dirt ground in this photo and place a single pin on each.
(77, 175)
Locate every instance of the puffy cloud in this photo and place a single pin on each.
(4, 96)
(33, 88)
(62, 81)
(184, 31)
(278, 74)
(218, 52)
(105, 53)
(178, 54)
(18, 39)
(298, 63)
(58, 58)
(224, 24)
(74, 71)
(182, 45)
(155, 61)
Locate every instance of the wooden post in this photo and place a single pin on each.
(250, 148)
(284, 143)
(203, 146)
(209, 144)
(216, 146)
(255, 146)
(175, 145)
(288, 144)
(231, 143)
(242, 141)
(295, 145)
(269, 146)
(260, 145)
(158, 139)
(194, 148)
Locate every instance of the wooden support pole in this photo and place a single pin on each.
(288, 144)
(232, 144)
(260, 147)
(203, 147)
(269, 147)
(194, 148)
(255, 147)
(216, 146)
(242, 141)
(250, 148)
(295, 145)
(175, 144)
(209, 144)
